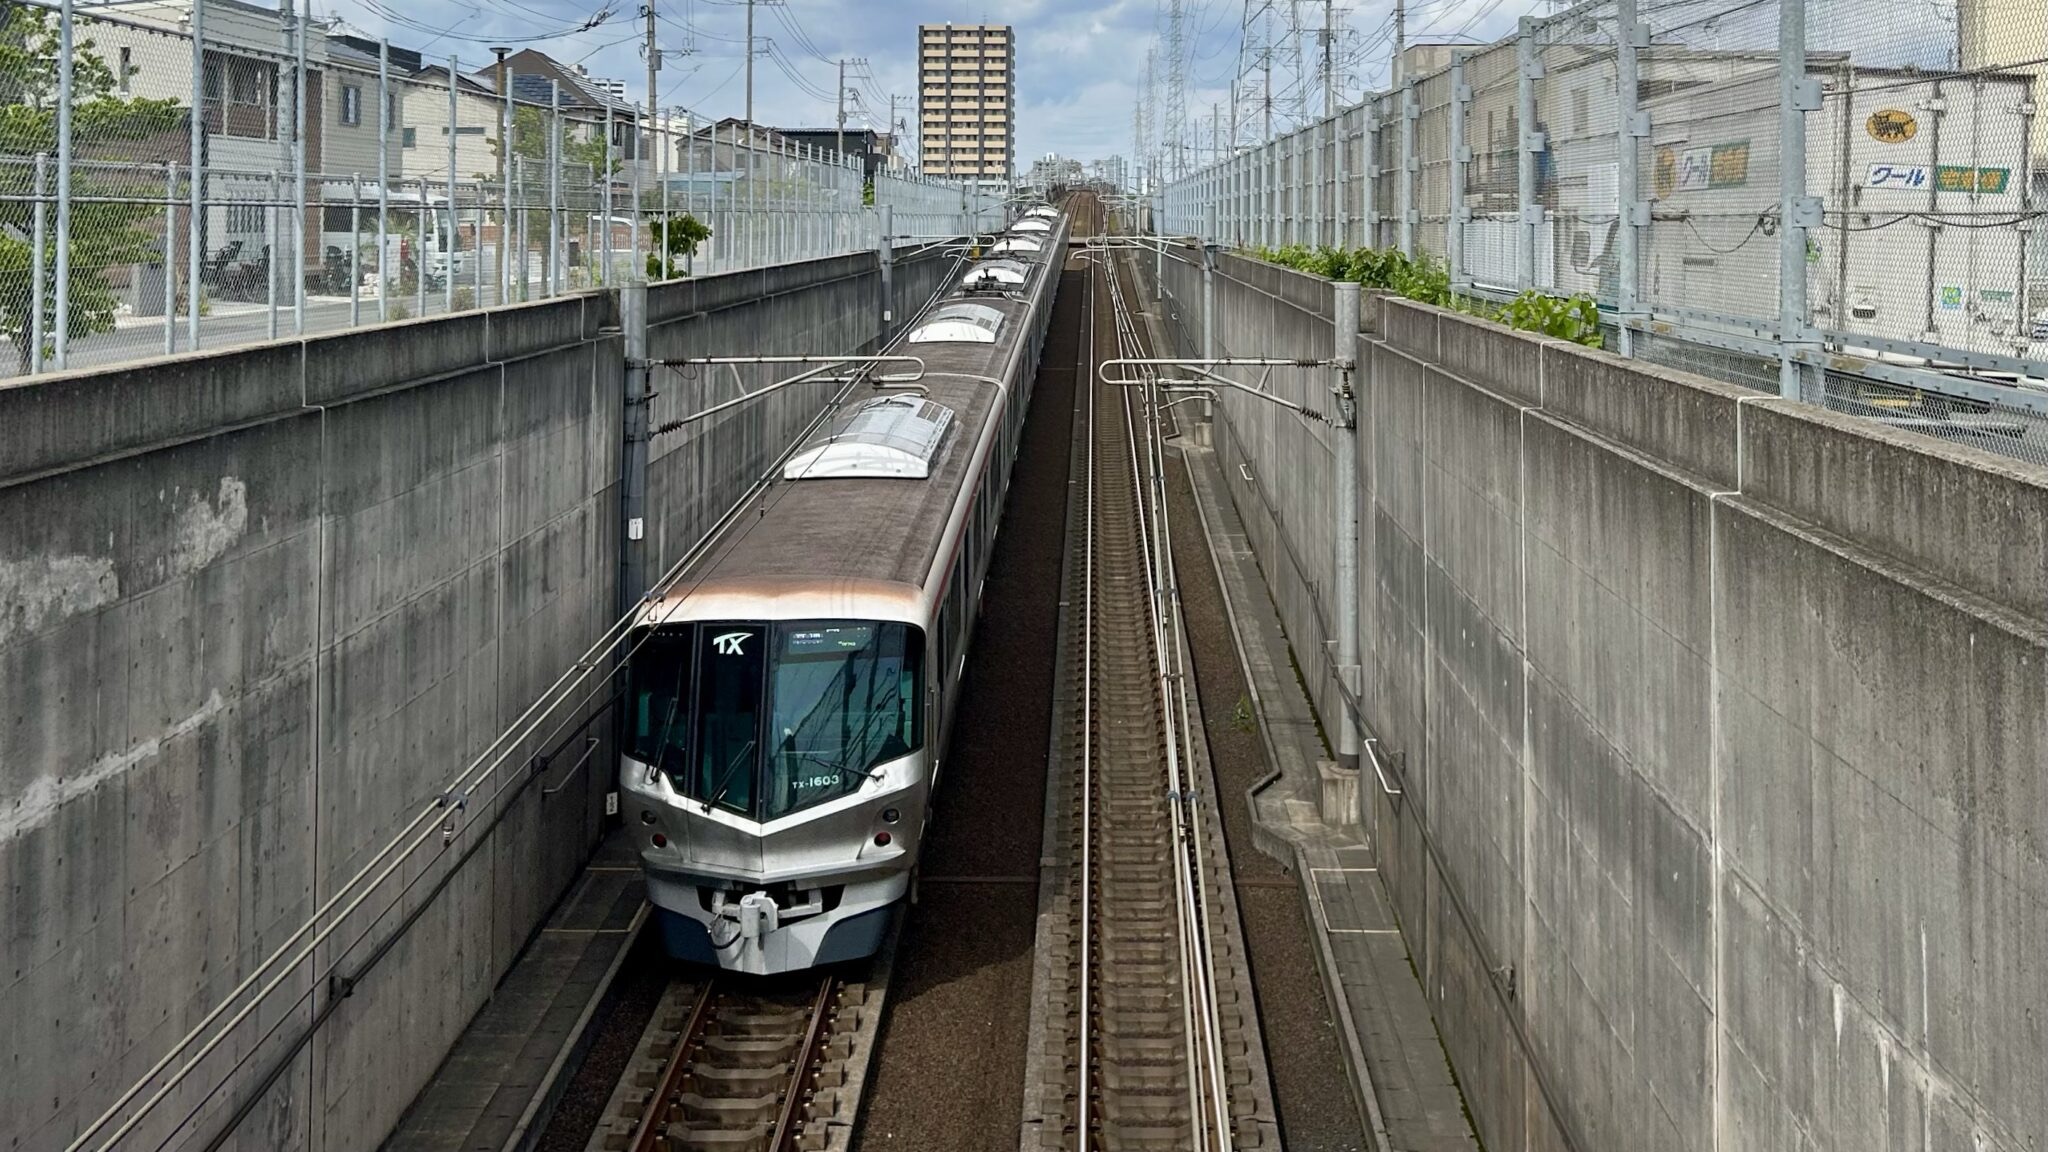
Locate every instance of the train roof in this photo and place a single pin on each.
(851, 522)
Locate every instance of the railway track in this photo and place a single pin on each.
(738, 1066)
(1159, 1040)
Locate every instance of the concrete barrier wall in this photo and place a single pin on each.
(1722, 723)
(258, 609)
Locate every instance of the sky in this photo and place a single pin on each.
(1080, 63)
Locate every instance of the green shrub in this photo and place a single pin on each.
(462, 300)
(1422, 278)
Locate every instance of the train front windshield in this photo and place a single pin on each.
(765, 719)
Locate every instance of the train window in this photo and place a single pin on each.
(656, 687)
(846, 700)
(730, 661)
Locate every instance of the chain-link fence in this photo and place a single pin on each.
(1636, 152)
(332, 181)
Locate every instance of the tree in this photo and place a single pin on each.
(530, 139)
(674, 240)
(105, 232)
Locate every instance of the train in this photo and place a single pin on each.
(789, 698)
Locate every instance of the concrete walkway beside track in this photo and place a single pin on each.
(496, 1089)
(1409, 1099)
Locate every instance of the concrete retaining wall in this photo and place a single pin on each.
(258, 609)
(1722, 723)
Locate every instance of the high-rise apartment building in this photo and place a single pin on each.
(966, 104)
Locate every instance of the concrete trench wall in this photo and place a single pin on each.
(1726, 719)
(257, 609)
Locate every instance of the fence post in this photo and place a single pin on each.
(419, 252)
(636, 267)
(506, 166)
(1208, 319)
(1411, 164)
(1342, 167)
(195, 228)
(1268, 203)
(171, 257)
(384, 117)
(1344, 317)
(1798, 94)
(1368, 193)
(298, 229)
(1461, 159)
(355, 246)
(1528, 70)
(605, 277)
(661, 156)
(39, 272)
(476, 268)
(1316, 211)
(557, 226)
(448, 248)
(63, 318)
(519, 248)
(1632, 126)
(271, 253)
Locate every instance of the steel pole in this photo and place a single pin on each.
(885, 252)
(557, 229)
(633, 486)
(1411, 166)
(1632, 126)
(1528, 70)
(170, 258)
(506, 123)
(271, 240)
(355, 245)
(384, 105)
(298, 228)
(1345, 353)
(1797, 94)
(1454, 228)
(63, 287)
(605, 277)
(447, 244)
(195, 228)
(39, 270)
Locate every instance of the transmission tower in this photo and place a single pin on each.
(1297, 71)
(1251, 92)
(1176, 91)
(1141, 121)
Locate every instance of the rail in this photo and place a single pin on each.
(749, 1094)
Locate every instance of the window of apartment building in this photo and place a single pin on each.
(127, 70)
(241, 96)
(352, 104)
(409, 138)
(390, 111)
(464, 129)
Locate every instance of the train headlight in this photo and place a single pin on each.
(891, 815)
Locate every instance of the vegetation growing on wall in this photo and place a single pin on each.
(1573, 318)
